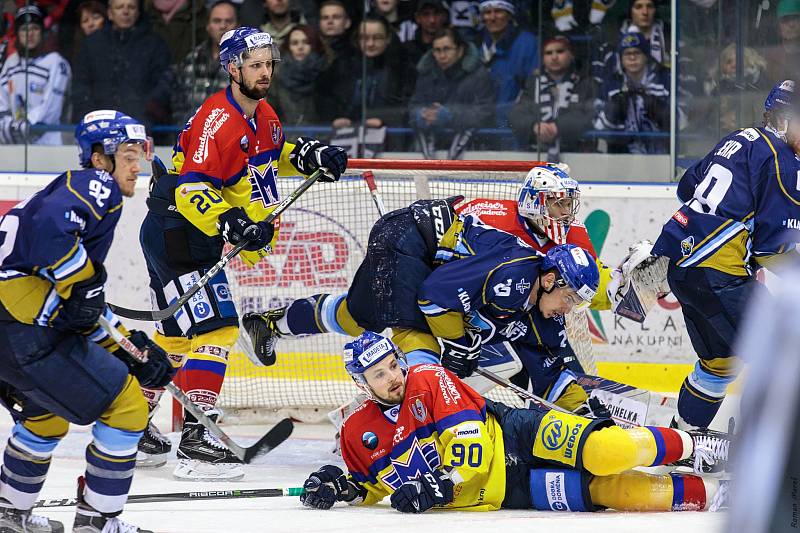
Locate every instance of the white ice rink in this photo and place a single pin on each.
(288, 466)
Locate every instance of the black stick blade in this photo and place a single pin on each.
(274, 437)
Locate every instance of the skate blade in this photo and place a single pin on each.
(194, 470)
(147, 460)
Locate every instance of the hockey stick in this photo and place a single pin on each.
(522, 393)
(369, 177)
(265, 444)
(161, 314)
(186, 496)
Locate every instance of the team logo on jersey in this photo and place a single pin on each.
(275, 131)
(262, 179)
(417, 409)
(687, 245)
(522, 286)
(369, 440)
(554, 435)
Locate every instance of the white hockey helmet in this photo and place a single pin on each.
(550, 200)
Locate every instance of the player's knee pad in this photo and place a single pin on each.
(216, 343)
(571, 397)
(420, 347)
(711, 377)
(129, 410)
(47, 426)
(559, 489)
(612, 450)
(560, 438)
(115, 441)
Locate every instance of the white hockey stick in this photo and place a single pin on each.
(369, 177)
(161, 314)
(273, 437)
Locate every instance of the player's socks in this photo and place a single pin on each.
(201, 456)
(110, 460)
(638, 491)
(321, 313)
(702, 393)
(25, 464)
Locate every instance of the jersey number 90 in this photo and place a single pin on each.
(472, 455)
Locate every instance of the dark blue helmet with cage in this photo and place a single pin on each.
(576, 268)
(109, 129)
(367, 350)
(780, 107)
(243, 40)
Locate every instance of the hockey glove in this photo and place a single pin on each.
(235, 226)
(460, 356)
(157, 371)
(86, 303)
(309, 154)
(419, 495)
(327, 486)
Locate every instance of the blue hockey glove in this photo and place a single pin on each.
(309, 154)
(86, 302)
(327, 486)
(235, 226)
(460, 356)
(157, 371)
(419, 495)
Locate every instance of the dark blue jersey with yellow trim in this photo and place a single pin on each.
(53, 240)
(739, 202)
(486, 282)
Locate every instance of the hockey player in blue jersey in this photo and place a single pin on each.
(56, 364)
(739, 202)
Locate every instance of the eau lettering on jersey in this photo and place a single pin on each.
(740, 201)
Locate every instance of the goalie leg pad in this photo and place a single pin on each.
(560, 489)
(501, 359)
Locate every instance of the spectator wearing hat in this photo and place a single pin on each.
(783, 60)
(510, 54)
(430, 17)
(123, 66)
(635, 100)
(555, 106)
(453, 96)
(33, 82)
(198, 75)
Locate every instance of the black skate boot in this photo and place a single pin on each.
(201, 456)
(22, 521)
(153, 446)
(90, 520)
(264, 333)
(711, 451)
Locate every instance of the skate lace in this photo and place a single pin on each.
(709, 450)
(115, 525)
(156, 433)
(213, 441)
(720, 500)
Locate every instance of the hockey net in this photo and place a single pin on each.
(322, 240)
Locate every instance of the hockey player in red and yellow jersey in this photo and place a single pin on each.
(426, 439)
(222, 188)
(543, 216)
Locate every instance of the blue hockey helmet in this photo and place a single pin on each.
(543, 185)
(367, 350)
(108, 128)
(244, 39)
(781, 98)
(576, 268)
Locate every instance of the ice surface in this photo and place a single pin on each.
(288, 466)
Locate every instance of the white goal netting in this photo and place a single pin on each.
(322, 241)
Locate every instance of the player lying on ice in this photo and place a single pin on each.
(426, 439)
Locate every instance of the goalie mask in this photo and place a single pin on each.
(549, 199)
(366, 351)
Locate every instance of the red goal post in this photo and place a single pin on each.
(322, 240)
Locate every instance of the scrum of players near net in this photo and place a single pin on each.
(459, 285)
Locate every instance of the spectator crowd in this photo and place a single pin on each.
(423, 75)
